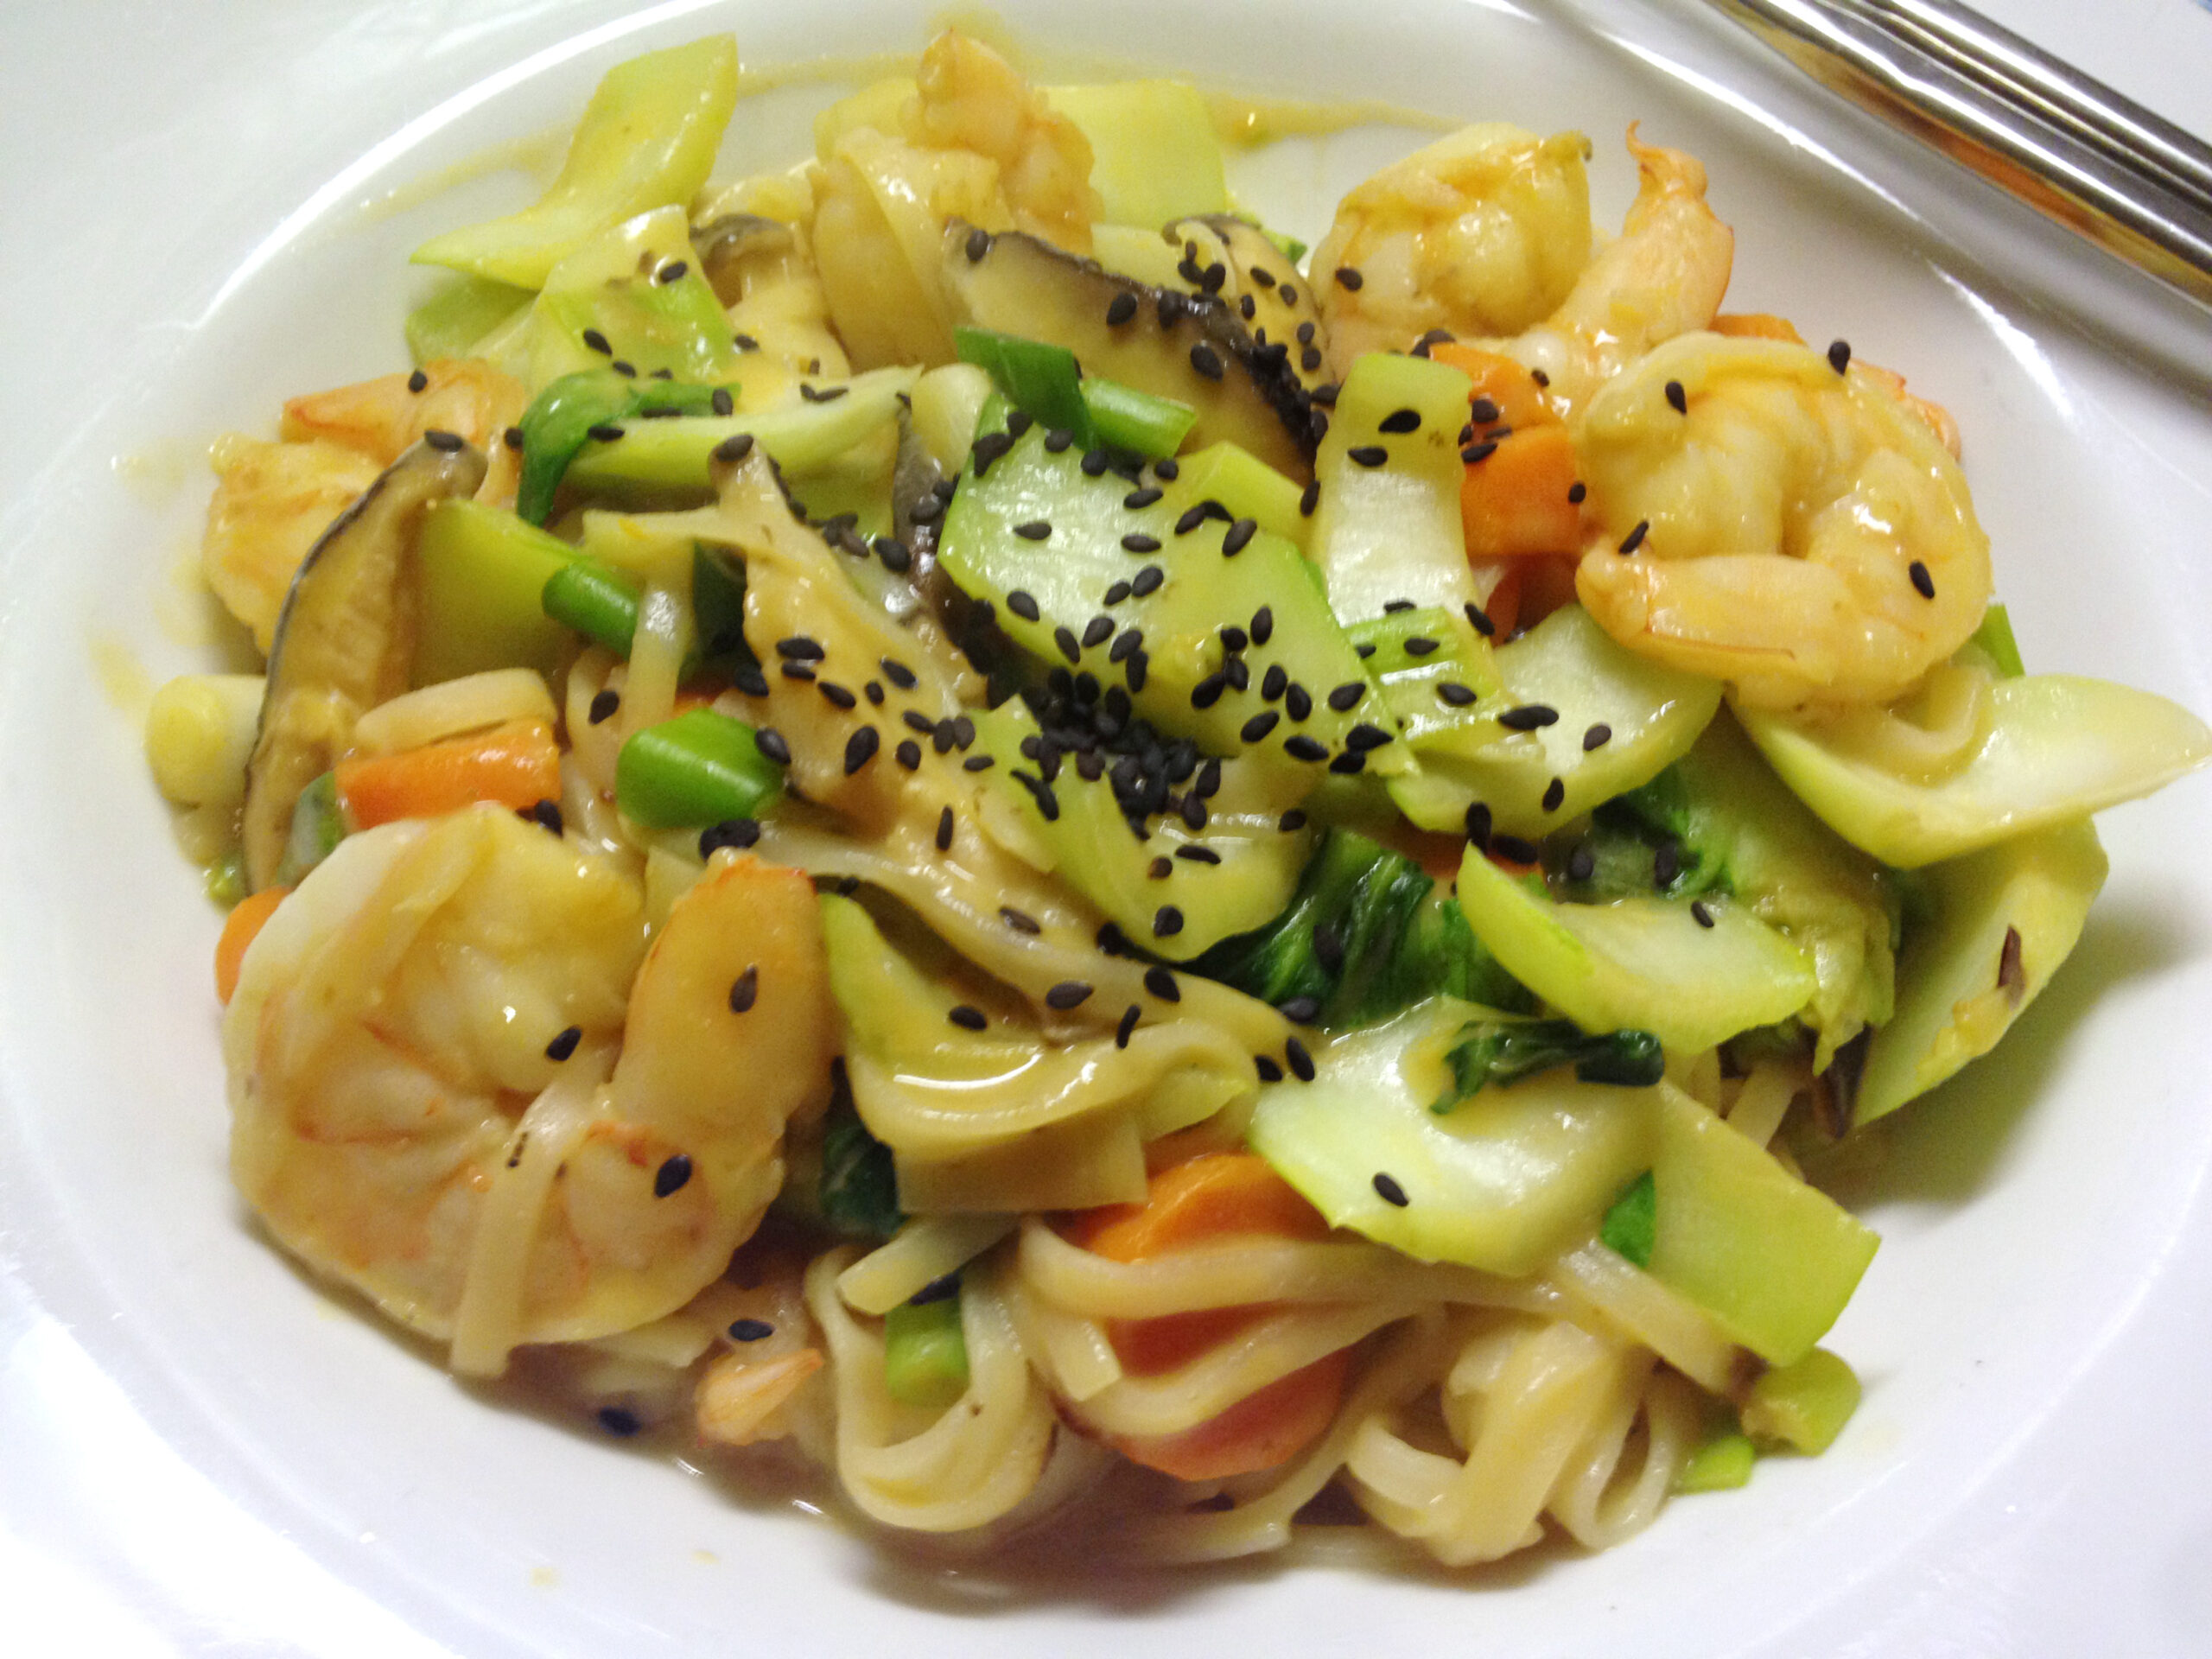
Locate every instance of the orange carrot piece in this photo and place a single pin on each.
(1516, 501)
(516, 764)
(1504, 607)
(241, 928)
(1757, 325)
(1264, 1428)
(1215, 1195)
(1521, 402)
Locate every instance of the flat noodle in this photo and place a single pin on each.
(971, 1463)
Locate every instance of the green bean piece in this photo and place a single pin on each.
(697, 769)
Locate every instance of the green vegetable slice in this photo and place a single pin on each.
(926, 1352)
(1632, 1223)
(647, 139)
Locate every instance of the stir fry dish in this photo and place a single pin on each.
(955, 816)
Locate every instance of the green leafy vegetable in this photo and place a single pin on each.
(1506, 1050)
(859, 1191)
(1366, 936)
(560, 420)
(1631, 1225)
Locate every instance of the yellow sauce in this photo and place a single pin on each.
(1251, 122)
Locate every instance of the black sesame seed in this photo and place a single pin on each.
(1233, 638)
(1302, 747)
(1237, 537)
(1477, 820)
(1478, 618)
(745, 342)
(1130, 642)
(1035, 531)
(1259, 725)
(671, 1176)
(597, 342)
(730, 832)
(722, 402)
(513, 438)
(1065, 640)
(1364, 650)
(1097, 632)
(861, 747)
(1310, 358)
(734, 448)
(1020, 921)
(943, 1289)
(1364, 736)
(1206, 360)
(1309, 499)
(968, 1017)
(1269, 1070)
(1196, 854)
(978, 244)
(1596, 737)
(908, 754)
(604, 704)
(1137, 500)
(618, 1420)
(1348, 276)
(1368, 454)
(1677, 399)
(417, 381)
(1528, 717)
(1347, 695)
(1147, 581)
(1068, 994)
(799, 670)
(1160, 982)
(1160, 867)
(1555, 794)
(1191, 518)
(897, 556)
(1120, 309)
(944, 830)
(1698, 910)
(565, 1044)
(1207, 692)
(1302, 1063)
(628, 371)
(1457, 695)
(979, 763)
(1291, 821)
(751, 1329)
(1634, 539)
(1127, 1026)
(836, 695)
(1115, 594)
(1577, 491)
(1298, 702)
(1515, 849)
(1419, 644)
(1840, 355)
(1135, 670)
(1166, 922)
(673, 271)
(1922, 583)
(1389, 1192)
(1581, 863)
(1022, 604)
(1475, 453)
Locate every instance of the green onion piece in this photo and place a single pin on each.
(697, 769)
(226, 878)
(1631, 1225)
(1506, 1050)
(1994, 637)
(1121, 418)
(318, 825)
(1804, 1404)
(1041, 379)
(925, 1353)
(1720, 1464)
(463, 311)
(598, 603)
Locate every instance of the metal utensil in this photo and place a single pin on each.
(2068, 146)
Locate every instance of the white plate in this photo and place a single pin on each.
(200, 1452)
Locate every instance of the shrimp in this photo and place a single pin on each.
(975, 143)
(1482, 233)
(398, 1014)
(271, 505)
(1769, 522)
(378, 419)
(1665, 276)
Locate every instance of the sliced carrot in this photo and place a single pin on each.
(1504, 606)
(1521, 402)
(516, 764)
(241, 928)
(1757, 325)
(1264, 1428)
(1518, 500)
(1217, 1195)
